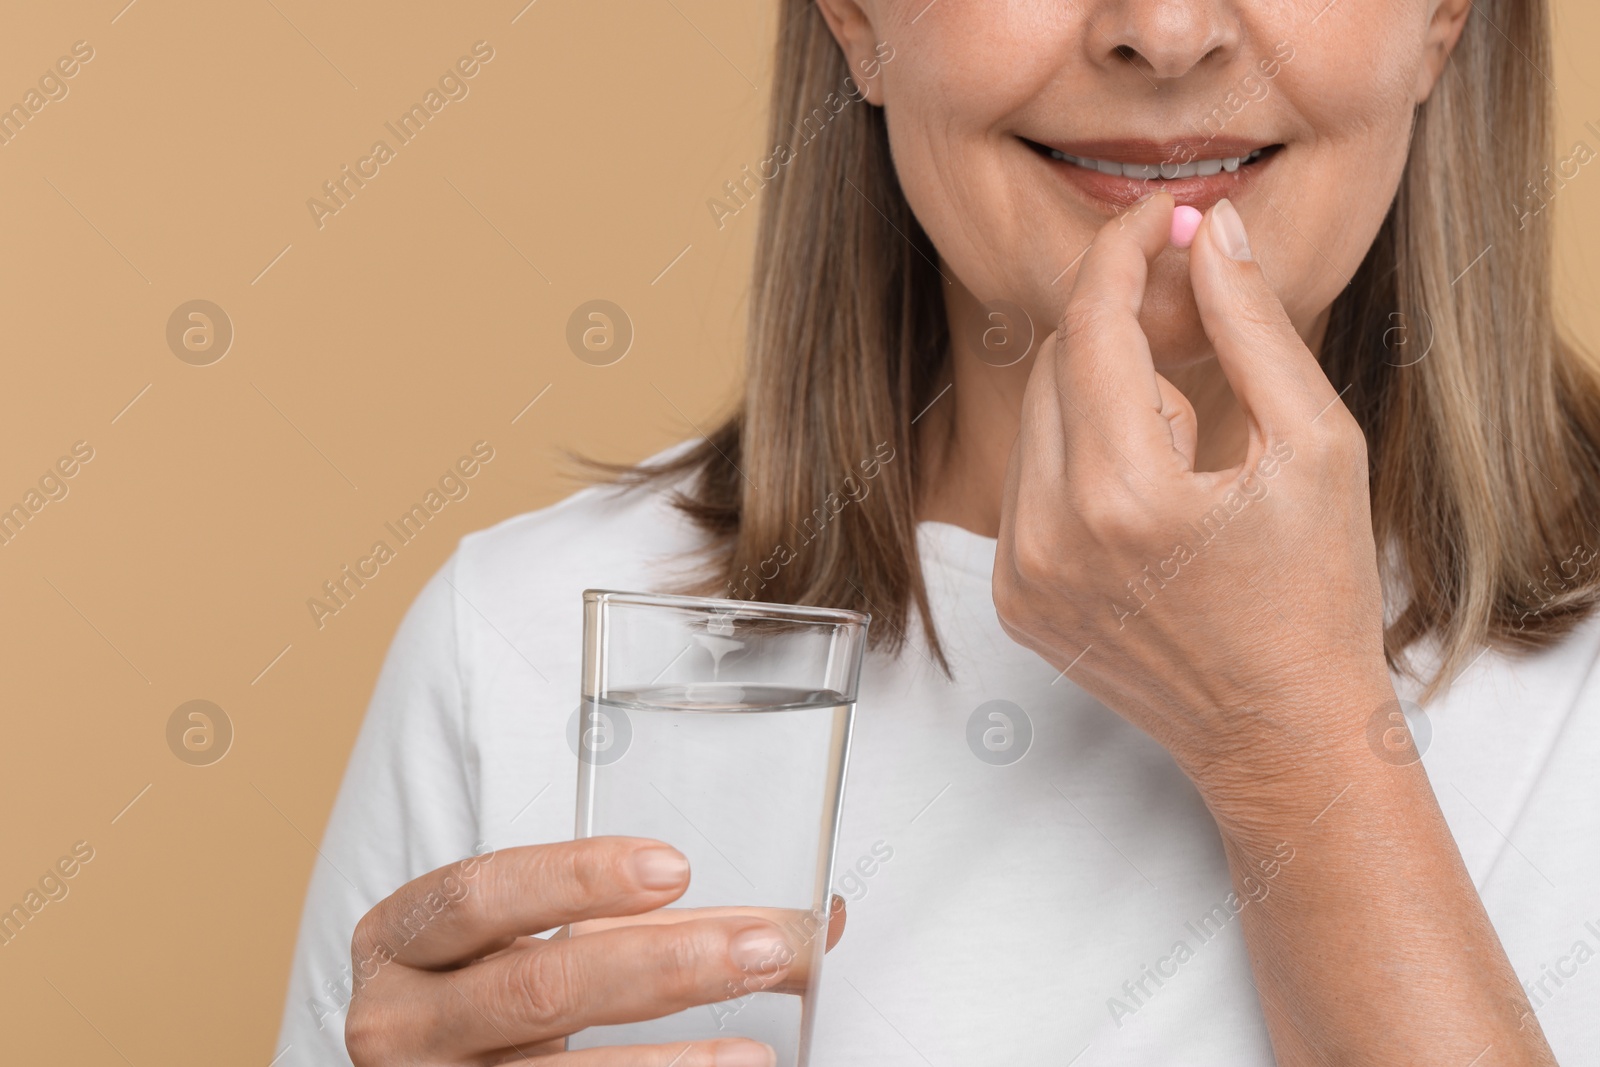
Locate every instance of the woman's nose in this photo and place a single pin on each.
(1163, 39)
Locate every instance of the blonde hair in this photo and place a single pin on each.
(1483, 427)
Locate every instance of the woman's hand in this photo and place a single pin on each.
(1220, 611)
(446, 971)
(1236, 616)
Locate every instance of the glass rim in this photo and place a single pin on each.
(749, 609)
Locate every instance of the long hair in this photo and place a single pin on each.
(1483, 426)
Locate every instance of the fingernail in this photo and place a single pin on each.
(1185, 224)
(745, 1054)
(1229, 230)
(660, 868)
(837, 904)
(759, 951)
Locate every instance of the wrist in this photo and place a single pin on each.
(1289, 759)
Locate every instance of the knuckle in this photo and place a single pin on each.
(380, 930)
(594, 873)
(1012, 631)
(1267, 316)
(1009, 603)
(407, 921)
(362, 1042)
(569, 879)
(678, 963)
(1107, 518)
(1351, 437)
(1024, 631)
(543, 986)
(405, 913)
(1031, 559)
(367, 1034)
(473, 903)
(1084, 317)
(367, 933)
(1340, 439)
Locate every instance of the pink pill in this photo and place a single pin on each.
(1185, 224)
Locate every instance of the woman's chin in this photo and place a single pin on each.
(1171, 319)
(1168, 361)
(1176, 337)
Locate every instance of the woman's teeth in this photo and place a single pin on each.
(1203, 168)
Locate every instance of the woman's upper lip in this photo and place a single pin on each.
(1150, 153)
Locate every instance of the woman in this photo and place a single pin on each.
(1149, 543)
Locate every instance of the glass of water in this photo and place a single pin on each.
(722, 728)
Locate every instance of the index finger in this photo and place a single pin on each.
(1104, 370)
(480, 905)
(803, 930)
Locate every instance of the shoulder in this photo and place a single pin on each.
(598, 531)
(516, 588)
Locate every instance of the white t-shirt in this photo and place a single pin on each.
(1028, 912)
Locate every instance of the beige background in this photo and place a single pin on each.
(368, 355)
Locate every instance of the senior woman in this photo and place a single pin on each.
(1202, 504)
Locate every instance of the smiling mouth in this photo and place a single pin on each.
(1169, 171)
(1196, 173)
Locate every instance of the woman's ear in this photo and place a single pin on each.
(852, 28)
(1445, 23)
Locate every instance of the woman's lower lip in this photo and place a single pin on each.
(1118, 192)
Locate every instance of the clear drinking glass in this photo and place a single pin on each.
(722, 728)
